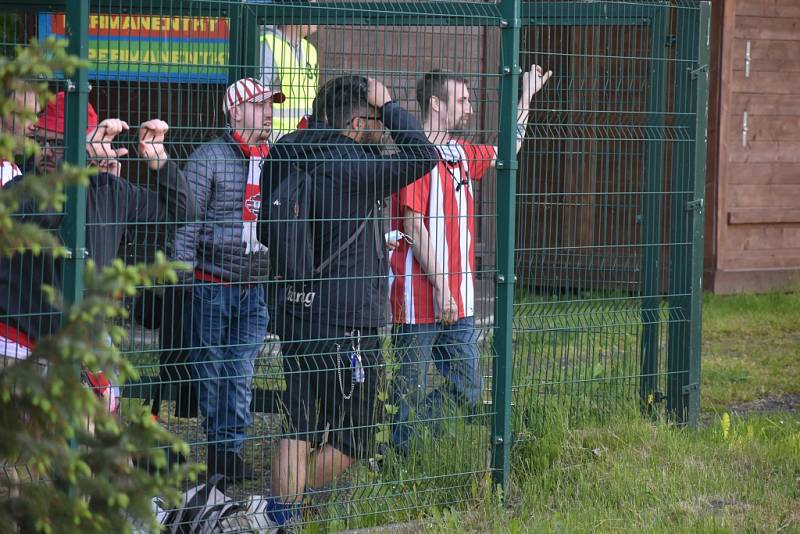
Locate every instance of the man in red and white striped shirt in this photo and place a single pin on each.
(432, 271)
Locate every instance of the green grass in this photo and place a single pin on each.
(751, 346)
(583, 350)
(751, 349)
(623, 472)
(636, 475)
(434, 477)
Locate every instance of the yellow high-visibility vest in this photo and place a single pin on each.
(297, 72)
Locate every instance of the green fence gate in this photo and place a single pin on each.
(588, 243)
(609, 218)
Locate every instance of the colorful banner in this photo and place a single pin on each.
(151, 48)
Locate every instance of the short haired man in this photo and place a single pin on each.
(112, 203)
(331, 345)
(227, 315)
(17, 125)
(432, 293)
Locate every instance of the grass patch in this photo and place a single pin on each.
(582, 351)
(751, 348)
(442, 471)
(632, 474)
(620, 472)
(750, 314)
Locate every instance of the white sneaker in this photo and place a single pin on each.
(257, 516)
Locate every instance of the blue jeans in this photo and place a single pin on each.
(228, 328)
(453, 349)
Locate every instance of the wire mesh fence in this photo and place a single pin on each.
(414, 231)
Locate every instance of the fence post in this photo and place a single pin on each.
(688, 178)
(73, 224)
(244, 43)
(73, 231)
(505, 278)
(651, 215)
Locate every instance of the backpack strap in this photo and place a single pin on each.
(350, 240)
(318, 270)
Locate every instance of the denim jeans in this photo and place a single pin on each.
(228, 328)
(453, 349)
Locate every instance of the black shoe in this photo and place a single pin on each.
(229, 464)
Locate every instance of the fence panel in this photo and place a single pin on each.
(440, 451)
(570, 269)
(603, 234)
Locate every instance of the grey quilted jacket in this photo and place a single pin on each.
(218, 243)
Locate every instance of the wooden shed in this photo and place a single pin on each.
(753, 193)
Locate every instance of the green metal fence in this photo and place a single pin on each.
(588, 246)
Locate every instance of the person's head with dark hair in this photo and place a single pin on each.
(443, 98)
(343, 104)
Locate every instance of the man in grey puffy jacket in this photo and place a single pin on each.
(226, 318)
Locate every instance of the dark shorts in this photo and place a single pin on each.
(320, 395)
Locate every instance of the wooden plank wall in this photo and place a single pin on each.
(758, 189)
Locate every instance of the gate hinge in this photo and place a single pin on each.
(71, 86)
(76, 254)
(695, 72)
(689, 388)
(513, 23)
(671, 40)
(695, 205)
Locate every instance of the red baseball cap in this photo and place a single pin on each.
(52, 118)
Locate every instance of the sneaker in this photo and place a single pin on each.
(255, 510)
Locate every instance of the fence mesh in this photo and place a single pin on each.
(385, 262)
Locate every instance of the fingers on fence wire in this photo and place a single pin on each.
(534, 79)
(98, 141)
(151, 142)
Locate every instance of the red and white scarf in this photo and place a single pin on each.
(252, 193)
(8, 171)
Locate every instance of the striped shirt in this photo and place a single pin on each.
(8, 170)
(444, 197)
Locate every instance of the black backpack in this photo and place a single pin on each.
(285, 228)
